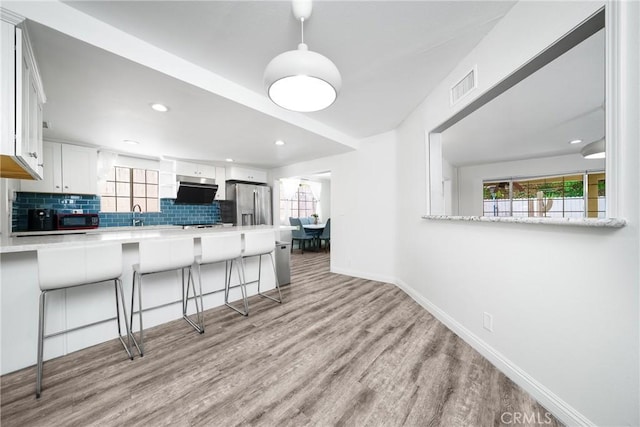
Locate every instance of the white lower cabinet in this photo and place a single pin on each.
(69, 169)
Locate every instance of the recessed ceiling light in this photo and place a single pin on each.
(228, 160)
(130, 141)
(575, 141)
(279, 142)
(160, 107)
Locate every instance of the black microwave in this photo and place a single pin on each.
(77, 221)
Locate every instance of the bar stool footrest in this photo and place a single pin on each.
(198, 328)
(279, 301)
(244, 313)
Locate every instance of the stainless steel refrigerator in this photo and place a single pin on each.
(252, 203)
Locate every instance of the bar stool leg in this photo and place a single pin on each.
(199, 310)
(275, 274)
(140, 314)
(228, 268)
(41, 320)
(227, 275)
(139, 346)
(201, 297)
(243, 285)
(259, 271)
(127, 347)
(201, 301)
(185, 302)
(40, 344)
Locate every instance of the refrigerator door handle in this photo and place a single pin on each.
(256, 208)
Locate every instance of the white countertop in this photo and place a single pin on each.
(574, 222)
(93, 230)
(15, 243)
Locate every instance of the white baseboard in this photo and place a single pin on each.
(558, 407)
(362, 275)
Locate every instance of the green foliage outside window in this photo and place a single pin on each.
(525, 190)
(601, 186)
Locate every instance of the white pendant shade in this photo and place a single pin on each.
(594, 150)
(302, 80)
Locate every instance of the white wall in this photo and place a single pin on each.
(564, 300)
(363, 187)
(450, 188)
(325, 200)
(470, 178)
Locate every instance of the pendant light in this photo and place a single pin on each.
(302, 80)
(594, 150)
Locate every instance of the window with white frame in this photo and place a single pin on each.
(127, 187)
(298, 199)
(565, 196)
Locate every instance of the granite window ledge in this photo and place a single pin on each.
(573, 222)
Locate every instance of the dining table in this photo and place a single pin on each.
(314, 227)
(315, 230)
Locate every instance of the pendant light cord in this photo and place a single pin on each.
(302, 29)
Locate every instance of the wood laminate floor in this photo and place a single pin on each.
(339, 351)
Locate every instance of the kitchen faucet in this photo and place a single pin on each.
(136, 222)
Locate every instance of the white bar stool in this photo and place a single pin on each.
(67, 267)
(225, 247)
(259, 243)
(158, 256)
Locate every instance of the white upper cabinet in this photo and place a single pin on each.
(22, 99)
(7, 80)
(235, 173)
(221, 177)
(69, 169)
(79, 169)
(195, 169)
(168, 186)
(51, 176)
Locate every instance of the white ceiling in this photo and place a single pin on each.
(391, 55)
(100, 99)
(538, 117)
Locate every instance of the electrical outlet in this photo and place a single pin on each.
(487, 321)
(77, 211)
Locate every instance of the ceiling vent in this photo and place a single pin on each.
(465, 86)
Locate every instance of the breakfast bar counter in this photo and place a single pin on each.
(22, 242)
(93, 305)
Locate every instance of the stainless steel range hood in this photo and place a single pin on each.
(195, 191)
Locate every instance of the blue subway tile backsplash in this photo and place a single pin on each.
(170, 213)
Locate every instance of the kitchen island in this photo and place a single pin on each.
(94, 305)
